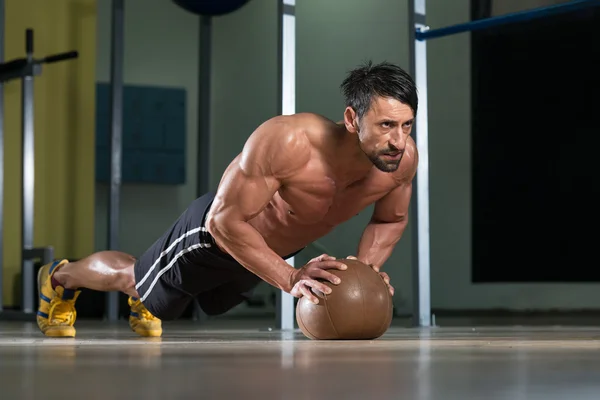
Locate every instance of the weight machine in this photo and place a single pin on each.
(25, 69)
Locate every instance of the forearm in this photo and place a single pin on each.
(378, 241)
(240, 240)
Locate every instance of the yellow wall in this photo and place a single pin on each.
(64, 132)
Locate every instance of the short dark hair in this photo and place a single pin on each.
(385, 80)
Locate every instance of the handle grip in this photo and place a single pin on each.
(61, 57)
(29, 41)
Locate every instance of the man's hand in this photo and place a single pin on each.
(385, 276)
(305, 278)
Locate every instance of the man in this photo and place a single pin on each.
(296, 178)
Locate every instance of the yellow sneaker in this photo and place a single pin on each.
(56, 312)
(142, 321)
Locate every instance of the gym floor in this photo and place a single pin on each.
(224, 359)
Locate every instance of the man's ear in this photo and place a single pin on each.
(350, 120)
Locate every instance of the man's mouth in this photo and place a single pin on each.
(393, 156)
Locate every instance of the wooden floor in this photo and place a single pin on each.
(244, 360)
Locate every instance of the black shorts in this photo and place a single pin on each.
(185, 264)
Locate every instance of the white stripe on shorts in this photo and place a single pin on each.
(171, 246)
(170, 265)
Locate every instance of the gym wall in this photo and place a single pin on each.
(64, 101)
(244, 88)
(161, 50)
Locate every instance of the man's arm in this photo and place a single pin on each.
(388, 221)
(274, 153)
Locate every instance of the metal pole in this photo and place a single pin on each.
(287, 106)
(28, 178)
(420, 209)
(204, 75)
(116, 110)
(2, 18)
(521, 16)
(203, 150)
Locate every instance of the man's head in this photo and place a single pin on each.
(381, 105)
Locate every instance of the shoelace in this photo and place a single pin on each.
(143, 311)
(61, 312)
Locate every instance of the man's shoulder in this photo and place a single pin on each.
(302, 129)
(279, 146)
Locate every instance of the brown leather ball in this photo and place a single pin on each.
(360, 307)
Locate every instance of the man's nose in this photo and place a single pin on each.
(398, 141)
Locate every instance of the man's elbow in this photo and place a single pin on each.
(217, 225)
(224, 226)
(396, 219)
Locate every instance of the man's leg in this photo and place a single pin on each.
(160, 283)
(60, 283)
(105, 271)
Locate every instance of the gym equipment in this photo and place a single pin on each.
(286, 54)
(26, 69)
(116, 140)
(210, 7)
(360, 307)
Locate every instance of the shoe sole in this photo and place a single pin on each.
(52, 333)
(149, 333)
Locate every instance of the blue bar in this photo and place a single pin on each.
(521, 16)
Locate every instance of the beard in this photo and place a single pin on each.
(384, 164)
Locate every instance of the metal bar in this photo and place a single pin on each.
(47, 255)
(116, 110)
(44, 254)
(287, 106)
(28, 179)
(29, 255)
(2, 19)
(203, 149)
(420, 210)
(423, 33)
(204, 105)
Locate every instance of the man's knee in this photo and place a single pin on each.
(218, 302)
(126, 280)
(167, 311)
(216, 306)
(225, 297)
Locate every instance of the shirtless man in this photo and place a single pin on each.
(296, 178)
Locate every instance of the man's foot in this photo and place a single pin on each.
(56, 312)
(142, 321)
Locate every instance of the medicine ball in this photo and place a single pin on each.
(210, 7)
(360, 307)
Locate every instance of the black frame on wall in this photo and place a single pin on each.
(534, 142)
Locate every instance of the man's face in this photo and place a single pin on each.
(383, 132)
